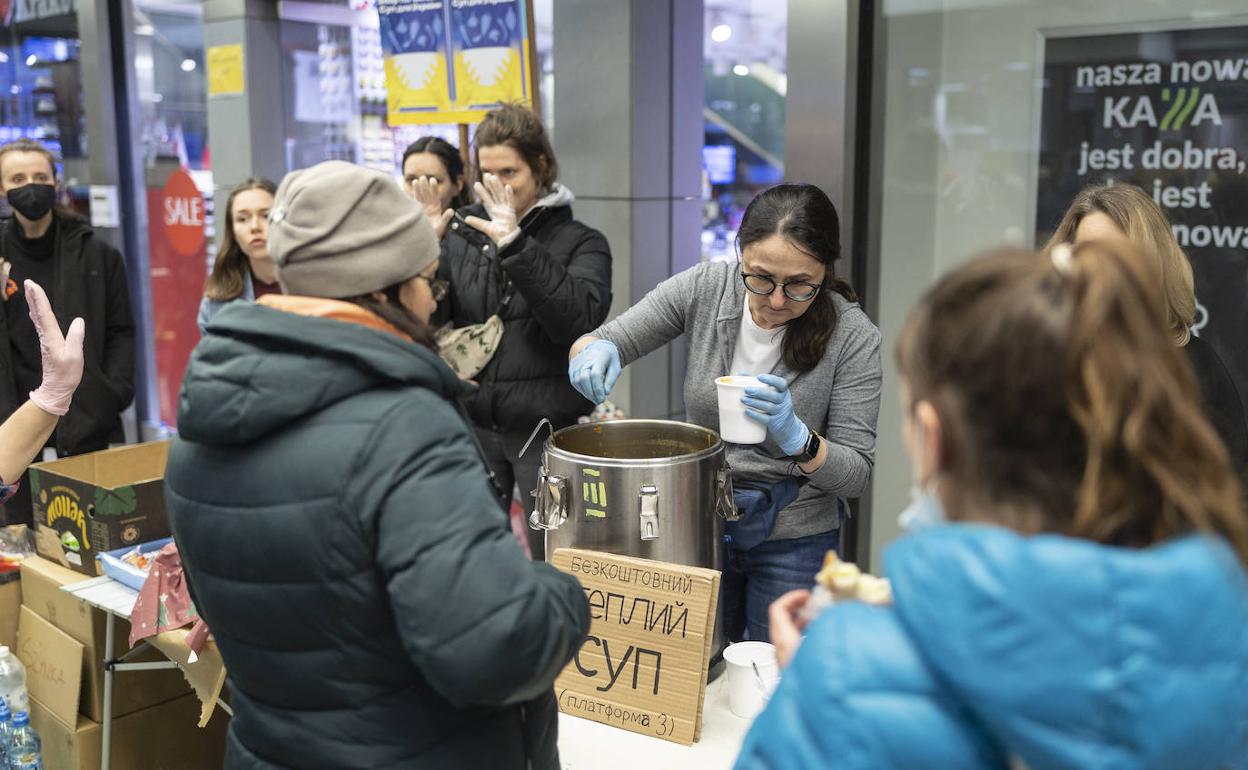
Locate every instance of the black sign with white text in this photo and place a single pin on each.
(1167, 111)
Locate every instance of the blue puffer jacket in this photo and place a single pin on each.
(1008, 651)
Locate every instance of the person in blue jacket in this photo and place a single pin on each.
(1072, 591)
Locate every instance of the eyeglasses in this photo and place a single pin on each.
(798, 291)
(437, 287)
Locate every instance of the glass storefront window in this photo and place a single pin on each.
(175, 148)
(544, 32)
(41, 91)
(745, 82)
(336, 88)
(984, 118)
(336, 95)
(169, 65)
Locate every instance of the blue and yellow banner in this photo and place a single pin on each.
(452, 61)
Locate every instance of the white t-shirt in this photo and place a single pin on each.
(758, 350)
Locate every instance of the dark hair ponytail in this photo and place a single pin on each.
(803, 216)
(1064, 405)
(450, 157)
(392, 311)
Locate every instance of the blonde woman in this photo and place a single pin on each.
(1125, 211)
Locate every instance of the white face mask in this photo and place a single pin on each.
(925, 509)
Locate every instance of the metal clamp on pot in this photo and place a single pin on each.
(550, 499)
(551, 502)
(649, 521)
(725, 505)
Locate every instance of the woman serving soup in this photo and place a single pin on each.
(782, 316)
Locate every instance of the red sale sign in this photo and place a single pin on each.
(175, 233)
(183, 214)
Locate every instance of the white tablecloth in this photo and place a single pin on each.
(588, 745)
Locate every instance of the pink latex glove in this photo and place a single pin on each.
(62, 356)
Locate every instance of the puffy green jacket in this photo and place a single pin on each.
(344, 545)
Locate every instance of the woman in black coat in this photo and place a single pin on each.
(519, 255)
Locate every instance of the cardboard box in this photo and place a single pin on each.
(51, 607)
(10, 600)
(163, 737)
(53, 662)
(96, 502)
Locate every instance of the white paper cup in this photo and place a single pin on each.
(752, 675)
(734, 426)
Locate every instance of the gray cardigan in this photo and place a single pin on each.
(839, 398)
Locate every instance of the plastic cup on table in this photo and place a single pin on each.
(753, 672)
(734, 426)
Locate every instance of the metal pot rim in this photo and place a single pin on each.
(563, 454)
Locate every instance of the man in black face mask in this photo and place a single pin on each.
(84, 276)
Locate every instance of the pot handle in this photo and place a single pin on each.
(545, 422)
(550, 509)
(649, 499)
(725, 506)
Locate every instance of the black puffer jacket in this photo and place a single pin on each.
(89, 283)
(340, 538)
(558, 272)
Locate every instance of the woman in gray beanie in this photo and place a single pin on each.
(336, 522)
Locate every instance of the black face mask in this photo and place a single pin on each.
(33, 200)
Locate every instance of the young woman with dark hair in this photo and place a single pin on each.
(1072, 591)
(781, 313)
(242, 269)
(433, 174)
(532, 278)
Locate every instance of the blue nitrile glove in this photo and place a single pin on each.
(773, 407)
(595, 369)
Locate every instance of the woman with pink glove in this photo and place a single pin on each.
(25, 433)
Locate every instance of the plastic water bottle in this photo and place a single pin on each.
(13, 681)
(5, 731)
(25, 750)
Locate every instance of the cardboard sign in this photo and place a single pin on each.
(97, 502)
(643, 667)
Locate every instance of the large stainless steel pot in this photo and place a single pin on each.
(654, 489)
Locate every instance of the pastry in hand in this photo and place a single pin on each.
(843, 581)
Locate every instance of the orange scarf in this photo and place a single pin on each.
(319, 307)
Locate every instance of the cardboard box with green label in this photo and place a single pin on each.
(97, 502)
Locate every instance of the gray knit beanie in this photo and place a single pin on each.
(339, 230)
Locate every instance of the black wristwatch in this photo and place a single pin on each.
(810, 451)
